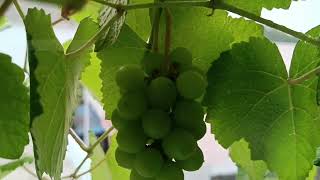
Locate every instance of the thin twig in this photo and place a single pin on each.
(91, 169)
(155, 30)
(74, 174)
(101, 138)
(4, 7)
(82, 145)
(18, 7)
(57, 21)
(305, 77)
(167, 44)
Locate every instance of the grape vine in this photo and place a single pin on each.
(167, 70)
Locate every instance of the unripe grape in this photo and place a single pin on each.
(124, 159)
(152, 63)
(179, 144)
(194, 162)
(181, 57)
(131, 139)
(132, 105)
(134, 175)
(162, 93)
(170, 171)
(119, 122)
(199, 130)
(188, 114)
(156, 123)
(130, 78)
(191, 84)
(148, 163)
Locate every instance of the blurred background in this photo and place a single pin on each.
(302, 16)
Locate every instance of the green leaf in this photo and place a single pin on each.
(11, 166)
(91, 9)
(98, 158)
(207, 36)
(116, 171)
(241, 155)
(14, 109)
(255, 6)
(139, 20)
(57, 81)
(111, 35)
(249, 97)
(128, 49)
(90, 76)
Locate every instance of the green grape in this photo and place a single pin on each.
(152, 63)
(136, 176)
(132, 105)
(188, 114)
(130, 78)
(181, 57)
(191, 84)
(199, 130)
(156, 123)
(124, 159)
(170, 171)
(119, 122)
(179, 144)
(148, 163)
(131, 139)
(162, 93)
(194, 162)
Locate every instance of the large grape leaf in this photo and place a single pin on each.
(7, 168)
(207, 36)
(57, 77)
(255, 6)
(241, 155)
(128, 49)
(249, 97)
(14, 109)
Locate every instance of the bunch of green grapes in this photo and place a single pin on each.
(159, 119)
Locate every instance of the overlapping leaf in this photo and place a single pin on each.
(207, 36)
(255, 6)
(241, 155)
(128, 49)
(14, 109)
(249, 97)
(6, 169)
(57, 80)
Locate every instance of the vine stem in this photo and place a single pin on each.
(91, 169)
(306, 76)
(95, 37)
(154, 39)
(167, 39)
(101, 138)
(215, 5)
(57, 21)
(82, 145)
(5, 5)
(18, 7)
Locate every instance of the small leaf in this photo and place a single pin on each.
(11, 166)
(98, 158)
(14, 109)
(90, 10)
(249, 97)
(3, 22)
(111, 35)
(57, 81)
(241, 155)
(128, 49)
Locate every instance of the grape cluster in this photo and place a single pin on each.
(158, 118)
